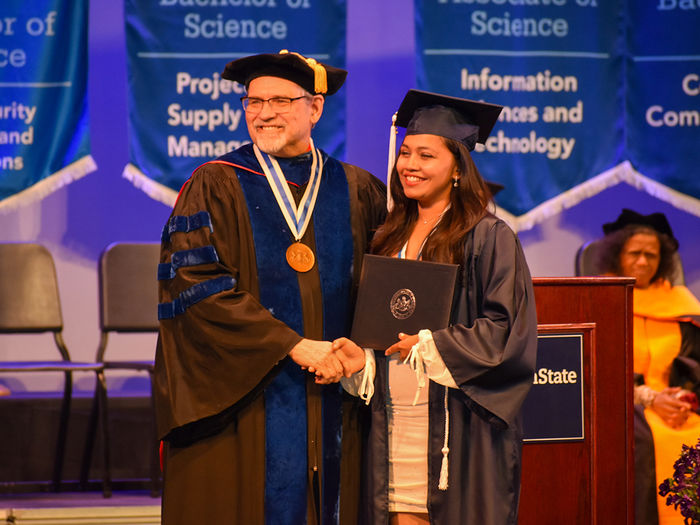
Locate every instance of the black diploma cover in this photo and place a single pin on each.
(401, 295)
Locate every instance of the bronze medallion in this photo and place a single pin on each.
(403, 304)
(300, 257)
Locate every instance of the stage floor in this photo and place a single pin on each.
(79, 508)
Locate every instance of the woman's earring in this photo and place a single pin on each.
(455, 182)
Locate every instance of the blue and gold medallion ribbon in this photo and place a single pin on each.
(299, 256)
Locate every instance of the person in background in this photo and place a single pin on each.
(666, 353)
(256, 277)
(445, 405)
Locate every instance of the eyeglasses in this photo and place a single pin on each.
(277, 104)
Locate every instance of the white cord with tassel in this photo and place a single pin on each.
(366, 390)
(414, 359)
(442, 484)
(392, 160)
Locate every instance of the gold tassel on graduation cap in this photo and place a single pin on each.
(320, 79)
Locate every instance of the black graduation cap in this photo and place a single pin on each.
(656, 221)
(460, 119)
(315, 77)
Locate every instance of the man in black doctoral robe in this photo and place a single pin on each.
(257, 267)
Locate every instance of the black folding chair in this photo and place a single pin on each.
(128, 303)
(30, 304)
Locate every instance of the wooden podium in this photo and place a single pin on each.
(590, 480)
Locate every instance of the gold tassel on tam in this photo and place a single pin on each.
(320, 81)
(320, 78)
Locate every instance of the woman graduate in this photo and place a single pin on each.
(445, 404)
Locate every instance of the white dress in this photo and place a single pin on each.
(408, 439)
(407, 416)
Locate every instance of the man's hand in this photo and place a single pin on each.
(351, 356)
(403, 346)
(318, 358)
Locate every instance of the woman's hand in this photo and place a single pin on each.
(403, 346)
(318, 358)
(672, 410)
(351, 356)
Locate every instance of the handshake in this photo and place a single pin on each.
(331, 361)
(328, 361)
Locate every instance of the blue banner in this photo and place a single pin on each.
(44, 139)
(577, 110)
(663, 106)
(181, 112)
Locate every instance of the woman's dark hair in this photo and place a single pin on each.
(612, 244)
(468, 204)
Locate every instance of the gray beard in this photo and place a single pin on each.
(271, 146)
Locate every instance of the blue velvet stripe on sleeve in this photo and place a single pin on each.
(194, 294)
(186, 224)
(183, 258)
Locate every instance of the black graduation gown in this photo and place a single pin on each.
(219, 353)
(490, 351)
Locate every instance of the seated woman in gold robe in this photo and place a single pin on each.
(666, 354)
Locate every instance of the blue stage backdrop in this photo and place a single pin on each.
(594, 93)
(44, 139)
(181, 113)
(663, 106)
